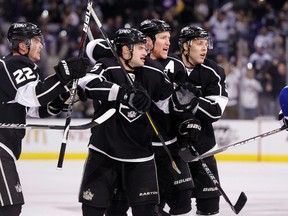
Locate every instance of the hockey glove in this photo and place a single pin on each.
(80, 96)
(189, 132)
(70, 69)
(56, 106)
(283, 120)
(140, 100)
(184, 97)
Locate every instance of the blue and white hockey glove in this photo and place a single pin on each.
(283, 120)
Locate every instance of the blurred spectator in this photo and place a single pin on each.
(243, 31)
(260, 59)
(249, 98)
(219, 27)
(277, 70)
(264, 38)
(233, 79)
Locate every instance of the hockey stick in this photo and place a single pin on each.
(242, 199)
(86, 126)
(99, 24)
(188, 156)
(74, 87)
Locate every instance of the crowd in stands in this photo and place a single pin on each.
(249, 39)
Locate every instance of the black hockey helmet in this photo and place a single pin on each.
(154, 26)
(189, 33)
(128, 37)
(23, 31)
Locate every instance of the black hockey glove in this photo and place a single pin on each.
(80, 96)
(56, 106)
(73, 68)
(185, 97)
(140, 100)
(189, 132)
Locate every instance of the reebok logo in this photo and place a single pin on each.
(65, 66)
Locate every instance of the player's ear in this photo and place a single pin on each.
(22, 47)
(148, 40)
(125, 52)
(185, 46)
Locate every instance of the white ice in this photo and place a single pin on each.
(52, 192)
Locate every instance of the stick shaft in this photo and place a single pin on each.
(74, 87)
(252, 139)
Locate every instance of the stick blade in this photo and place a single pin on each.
(240, 203)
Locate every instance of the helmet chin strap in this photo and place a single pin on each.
(187, 59)
(187, 56)
(127, 63)
(128, 60)
(28, 50)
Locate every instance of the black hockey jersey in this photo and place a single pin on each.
(211, 80)
(176, 72)
(21, 88)
(126, 136)
(174, 68)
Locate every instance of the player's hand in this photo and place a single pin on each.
(189, 132)
(56, 106)
(139, 100)
(185, 97)
(73, 68)
(61, 102)
(283, 120)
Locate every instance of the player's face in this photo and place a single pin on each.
(161, 46)
(139, 54)
(35, 49)
(198, 51)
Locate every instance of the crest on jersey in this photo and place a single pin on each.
(128, 113)
(132, 76)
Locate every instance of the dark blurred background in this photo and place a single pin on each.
(250, 40)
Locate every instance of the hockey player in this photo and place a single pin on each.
(208, 77)
(22, 93)
(175, 189)
(120, 149)
(119, 206)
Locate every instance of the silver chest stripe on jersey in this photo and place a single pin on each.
(5, 182)
(166, 142)
(121, 159)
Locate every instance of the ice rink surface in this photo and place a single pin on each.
(52, 192)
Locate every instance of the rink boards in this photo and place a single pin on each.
(45, 144)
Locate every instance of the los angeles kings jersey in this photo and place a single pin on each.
(211, 80)
(174, 68)
(126, 136)
(21, 88)
(175, 71)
